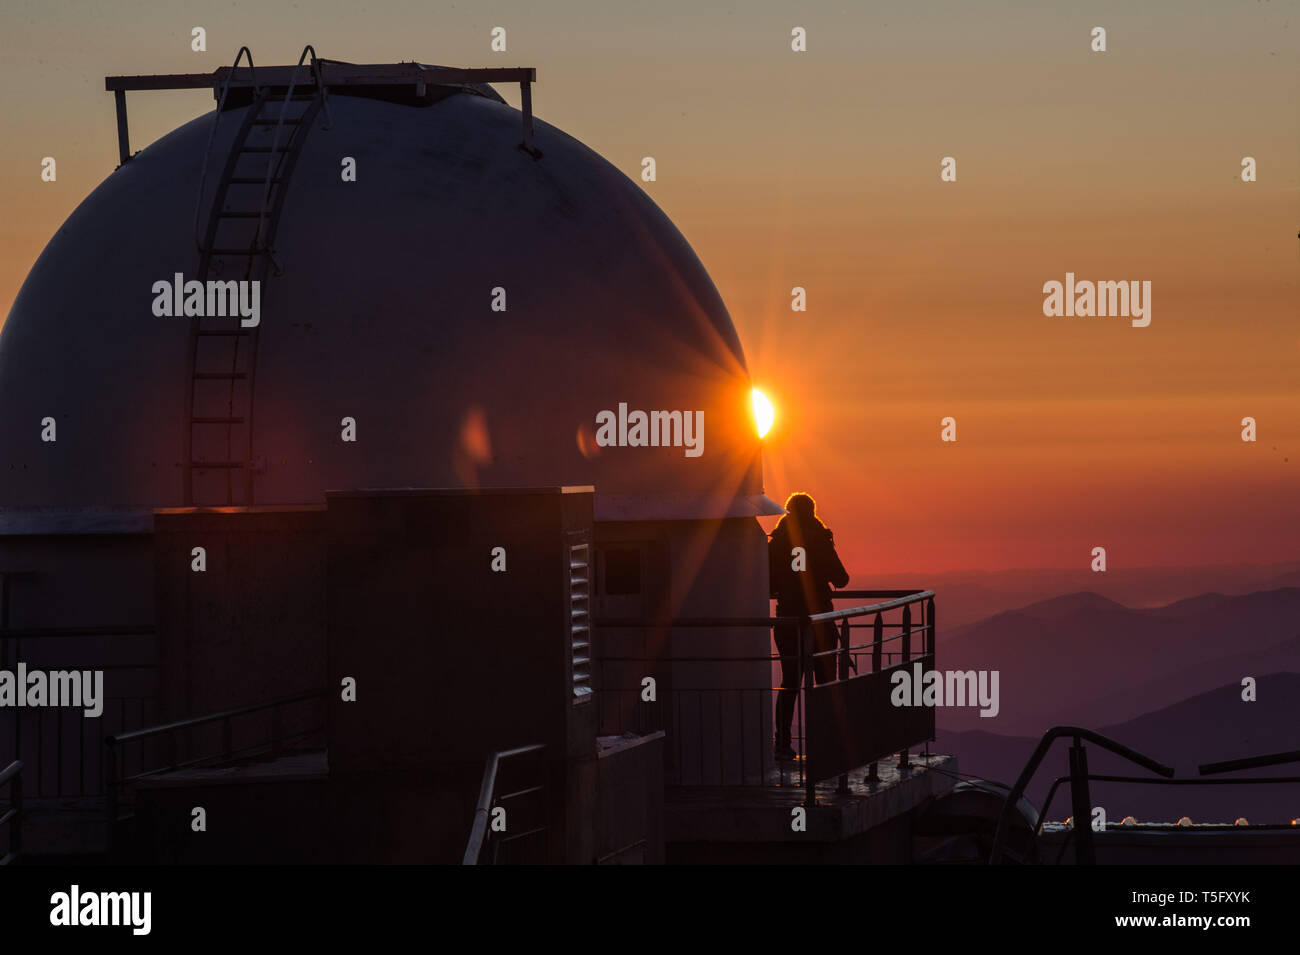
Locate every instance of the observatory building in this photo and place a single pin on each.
(372, 470)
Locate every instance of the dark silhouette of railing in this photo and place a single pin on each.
(621, 708)
(273, 744)
(1081, 828)
(486, 844)
(1080, 801)
(1249, 762)
(56, 734)
(1208, 769)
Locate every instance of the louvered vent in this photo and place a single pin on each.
(580, 619)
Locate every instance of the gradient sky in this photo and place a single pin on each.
(822, 170)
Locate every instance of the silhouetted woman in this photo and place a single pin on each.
(801, 583)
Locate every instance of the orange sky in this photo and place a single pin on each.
(822, 170)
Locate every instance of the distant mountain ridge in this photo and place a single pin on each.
(1085, 659)
(972, 596)
(1212, 726)
(1285, 580)
(1056, 607)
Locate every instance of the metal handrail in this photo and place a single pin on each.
(1078, 733)
(651, 623)
(11, 771)
(624, 850)
(225, 755)
(906, 628)
(112, 782)
(487, 796)
(210, 718)
(851, 592)
(895, 604)
(1149, 781)
(1250, 762)
(846, 651)
(212, 135)
(897, 600)
(771, 657)
(316, 62)
(272, 160)
(793, 622)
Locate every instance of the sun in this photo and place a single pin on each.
(764, 413)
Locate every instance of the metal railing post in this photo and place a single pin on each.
(58, 753)
(930, 633)
(526, 107)
(1036, 759)
(877, 650)
(740, 723)
(931, 640)
(277, 731)
(110, 797)
(1081, 805)
(554, 843)
(845, 637)
(481, 837)
(907, 634)
(844, 649)
(907, 656)
(807, 669)
(16, 824)
(123, 136)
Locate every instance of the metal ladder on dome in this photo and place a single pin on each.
(238, 244)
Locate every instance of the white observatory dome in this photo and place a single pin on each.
(383, 314)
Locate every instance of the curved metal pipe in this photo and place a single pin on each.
(212, 135)
(274, 156)
(1040, 751)
(1250, 762)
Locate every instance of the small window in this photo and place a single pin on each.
(622, 572)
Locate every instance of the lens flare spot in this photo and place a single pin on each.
(764, 412)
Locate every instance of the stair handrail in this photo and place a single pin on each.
(273, 159)
(486, 797)
(212, 135)
(113, 781)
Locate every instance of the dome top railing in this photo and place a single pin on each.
(333, 74)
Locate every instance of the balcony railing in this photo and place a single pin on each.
(184, 746)
(525, 795)
(715, 702)
(1080, 779)
(60, 747)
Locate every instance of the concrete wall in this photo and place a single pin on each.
(452, 661)
(274, 816)
(248, 629)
